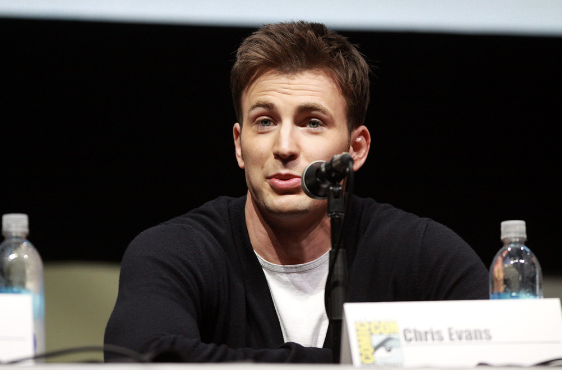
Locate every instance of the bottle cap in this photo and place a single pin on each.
(15, 223)
(513, 229)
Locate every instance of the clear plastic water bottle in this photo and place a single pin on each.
(515, 272)
(21, 270)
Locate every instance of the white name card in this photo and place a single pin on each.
(16, 326)
(452, 333)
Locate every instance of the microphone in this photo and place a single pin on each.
(317, 176)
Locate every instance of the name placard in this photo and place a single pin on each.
(452, 333)
(16, 326)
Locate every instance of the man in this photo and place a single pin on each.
(243, 279)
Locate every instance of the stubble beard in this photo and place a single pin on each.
(288, 207)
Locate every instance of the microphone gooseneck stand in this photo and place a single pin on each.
(321, 180)
(336, 284)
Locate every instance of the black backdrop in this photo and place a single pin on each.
(109, 128)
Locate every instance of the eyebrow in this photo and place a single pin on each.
(306, 107)
(262, 104)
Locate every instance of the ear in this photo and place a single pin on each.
(237, 132)
(359, 146)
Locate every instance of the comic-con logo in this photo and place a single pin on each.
(379, 343)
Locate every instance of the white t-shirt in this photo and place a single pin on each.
(298, 295)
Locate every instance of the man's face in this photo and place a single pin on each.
(289, 121)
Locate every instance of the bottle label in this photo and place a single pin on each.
(16, 326)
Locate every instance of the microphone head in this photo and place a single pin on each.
(339, 164)
(310, 183)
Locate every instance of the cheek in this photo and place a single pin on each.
(329, 148)
(253, 156)
(255, 146)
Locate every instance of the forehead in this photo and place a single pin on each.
(314, 86)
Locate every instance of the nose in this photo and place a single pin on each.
(286, 146)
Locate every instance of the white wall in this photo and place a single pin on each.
(522, 17)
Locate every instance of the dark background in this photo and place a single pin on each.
(109, 128)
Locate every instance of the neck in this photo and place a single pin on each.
(287, 240)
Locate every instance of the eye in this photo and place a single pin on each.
(264, 124)
(314, 124)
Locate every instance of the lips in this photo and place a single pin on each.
(284, 182)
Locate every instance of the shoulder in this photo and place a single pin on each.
(211, 217)
(202, 230)
(384, 221)
(388, 222)
(438, 263)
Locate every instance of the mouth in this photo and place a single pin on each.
(284, 182)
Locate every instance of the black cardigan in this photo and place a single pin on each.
(193, 285)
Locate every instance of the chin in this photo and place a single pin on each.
(292, 205)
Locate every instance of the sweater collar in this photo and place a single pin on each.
(258, 297)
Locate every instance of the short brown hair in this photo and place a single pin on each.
(297, 47)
